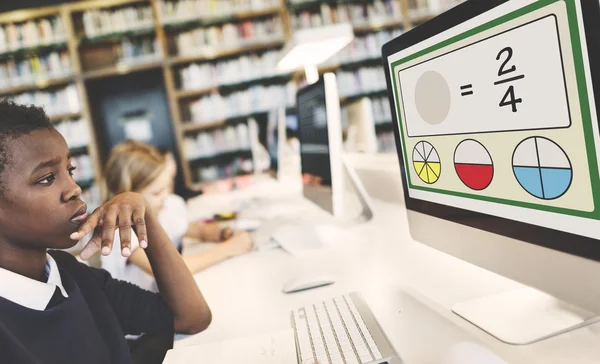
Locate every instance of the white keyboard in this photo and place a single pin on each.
(335, 332)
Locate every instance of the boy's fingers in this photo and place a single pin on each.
(90, 224)
(92, 247)
(140, 226)
(108, 229)
(125, 231)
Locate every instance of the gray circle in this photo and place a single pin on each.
(432, 96)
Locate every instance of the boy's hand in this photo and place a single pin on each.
(121, 213)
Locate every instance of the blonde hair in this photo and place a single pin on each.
(131, 167)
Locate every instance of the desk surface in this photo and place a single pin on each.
(382, 263)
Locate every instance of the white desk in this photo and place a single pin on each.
(246, 299)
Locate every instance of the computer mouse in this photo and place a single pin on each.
(308, 281)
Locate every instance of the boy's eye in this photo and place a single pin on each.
(71, 169)
(47, 180)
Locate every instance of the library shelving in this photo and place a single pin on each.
(219, 49)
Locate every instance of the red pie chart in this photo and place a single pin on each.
(473, 164)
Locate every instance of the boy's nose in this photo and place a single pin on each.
(72, 191)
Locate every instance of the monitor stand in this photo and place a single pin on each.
(523, 316)
(300, 239)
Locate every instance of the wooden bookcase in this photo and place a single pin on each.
(94, 57)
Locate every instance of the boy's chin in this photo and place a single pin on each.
(64, 244)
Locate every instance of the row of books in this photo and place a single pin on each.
(222, 140)
(238, 166)
(75, 132)
(186, 10)
(99, 22)
(245, 68)
(253, 100)
(423, 8)
(84, 168)
(358, 14)
(132, 49)
(363, 80)
(31, 33)
(14, 73)
(55, 102)
(386, 143)
(381, 110)
(228, 35)
(364, 47)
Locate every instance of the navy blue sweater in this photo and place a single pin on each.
(87, 327)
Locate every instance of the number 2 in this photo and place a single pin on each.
(503, 71)
(509, 99)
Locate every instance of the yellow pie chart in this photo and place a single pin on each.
(426, 162)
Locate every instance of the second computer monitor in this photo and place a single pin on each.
(320, 135)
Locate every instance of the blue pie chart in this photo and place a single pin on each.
(542, 168)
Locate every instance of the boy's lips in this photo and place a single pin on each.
(80, 215)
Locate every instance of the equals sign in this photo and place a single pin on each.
(466, 90)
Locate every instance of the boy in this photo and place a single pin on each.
(52, 308)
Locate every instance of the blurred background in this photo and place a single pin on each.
(195, 77)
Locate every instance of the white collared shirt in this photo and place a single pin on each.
(28, 292)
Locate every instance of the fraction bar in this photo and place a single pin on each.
(509, 80)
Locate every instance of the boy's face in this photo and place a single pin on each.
(40, 205)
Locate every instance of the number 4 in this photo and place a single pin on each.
(509, 99)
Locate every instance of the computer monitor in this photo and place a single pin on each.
(320, 136)
(496, 126)
(324, 170)
(323, 164)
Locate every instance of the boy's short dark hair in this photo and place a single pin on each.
(15, 121)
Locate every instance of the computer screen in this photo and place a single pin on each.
(320, 137)
(314, 140)
(496, 122)
(291, 125)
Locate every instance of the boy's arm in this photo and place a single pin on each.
(191, 314)
(177, 286)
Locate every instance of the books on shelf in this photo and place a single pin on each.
(380, 108)
(92, 196)
(32, 33)
(222, 140)
(420, 9)
(227, 36)
(84, 169)
(99, 22)
(363, 80)
(56, 102)
(386, 142)
(36, 69)
(239, 166)
(382, 113)
(365, 47)
(173, 12)
(138, 51)
(75, 132)
(358, 14)
(242, 69)
(253, 100)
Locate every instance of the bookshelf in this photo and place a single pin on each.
(215, 54)
(103, 39)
